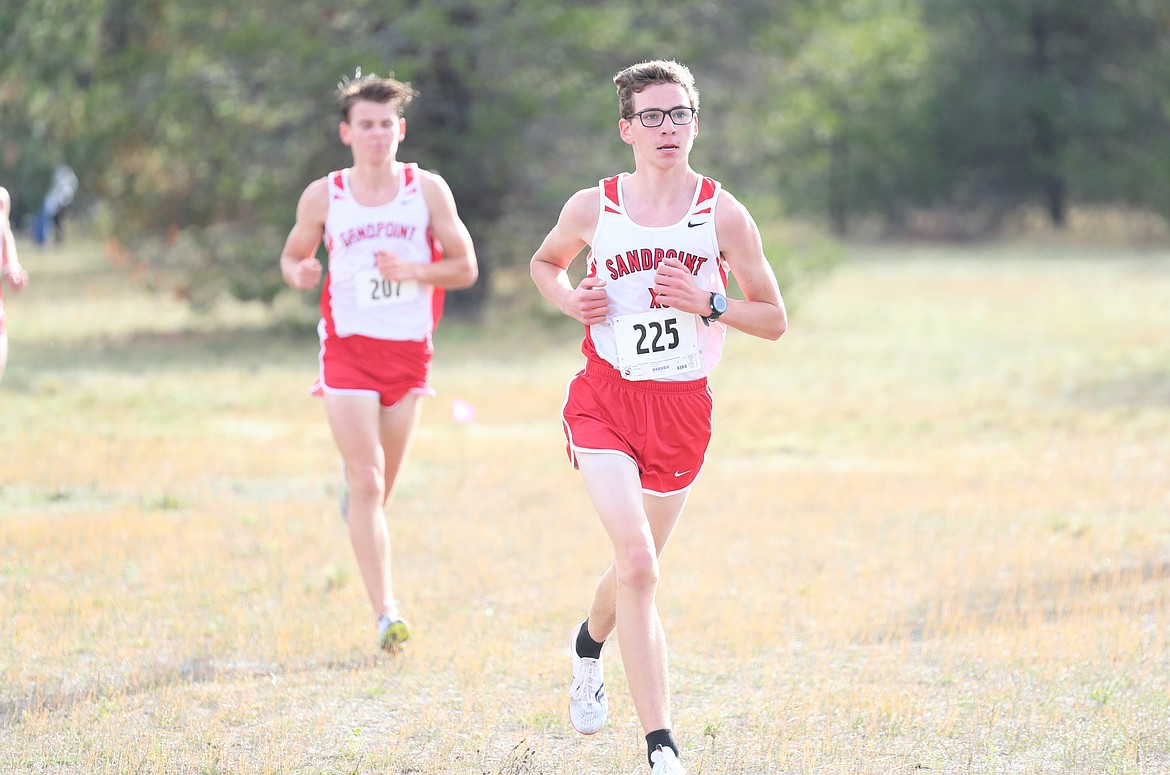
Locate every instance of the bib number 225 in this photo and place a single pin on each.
(651, 335)
(656, 344)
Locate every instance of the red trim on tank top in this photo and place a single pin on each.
(610, 191)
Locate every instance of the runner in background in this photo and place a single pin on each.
(395, 243)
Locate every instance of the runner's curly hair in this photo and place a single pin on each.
(373, 88)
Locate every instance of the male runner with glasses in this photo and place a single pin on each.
(638, 417)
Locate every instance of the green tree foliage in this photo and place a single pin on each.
(844, 120)
(1046, 101)
(46, 56)
(197, 124)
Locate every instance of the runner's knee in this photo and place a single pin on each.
(637, 567)
(365, 480)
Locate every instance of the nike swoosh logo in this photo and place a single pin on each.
(693, 224)
(681, 473)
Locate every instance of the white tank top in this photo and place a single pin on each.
(640, 338)
(356, 300)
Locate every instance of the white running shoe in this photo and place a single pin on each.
(666, 763)
(393, 631)
(587, 702)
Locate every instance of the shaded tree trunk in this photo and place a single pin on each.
(839, 185)
(1047, 143)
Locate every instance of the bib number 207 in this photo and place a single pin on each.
(374, 290)
(382, 289)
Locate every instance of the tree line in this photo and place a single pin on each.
(194, 125)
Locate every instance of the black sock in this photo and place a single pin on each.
(660, 737)
(586, 646)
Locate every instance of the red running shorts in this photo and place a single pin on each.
(663, 427)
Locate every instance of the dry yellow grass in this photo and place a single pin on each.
(932, 536)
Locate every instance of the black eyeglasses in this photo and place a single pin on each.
(653, 117)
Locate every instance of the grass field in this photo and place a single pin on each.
(932, 536)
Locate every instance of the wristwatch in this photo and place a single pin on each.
(718, 307)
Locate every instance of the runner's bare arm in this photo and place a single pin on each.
(298, 263)
(588, 302)
(7, 251)
(9, 262)
(761, 312)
